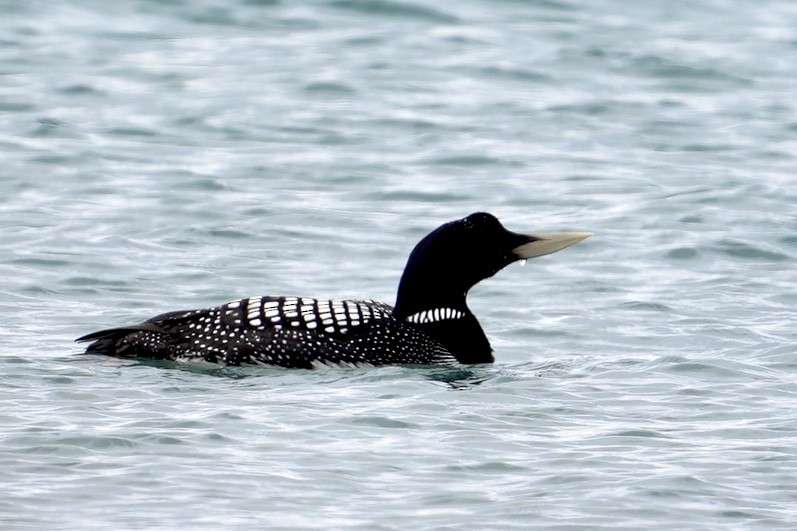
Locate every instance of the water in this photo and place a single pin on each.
(173, 155)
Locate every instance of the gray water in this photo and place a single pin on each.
(173, 155)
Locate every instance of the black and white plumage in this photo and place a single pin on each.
(430, 323)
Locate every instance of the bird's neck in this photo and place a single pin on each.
(463, 337)
(426, 285)
(444, 316)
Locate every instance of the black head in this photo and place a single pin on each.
(445, 264)
(450, 260)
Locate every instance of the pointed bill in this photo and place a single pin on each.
(544, 243)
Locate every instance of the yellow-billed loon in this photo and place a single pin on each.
(430, 323)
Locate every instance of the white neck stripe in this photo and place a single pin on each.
(434, 315)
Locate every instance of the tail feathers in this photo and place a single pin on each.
(107, 341)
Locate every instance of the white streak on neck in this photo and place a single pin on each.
(435, 315)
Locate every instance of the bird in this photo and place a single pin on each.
(429, 324)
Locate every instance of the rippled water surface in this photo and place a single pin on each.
(173, 155)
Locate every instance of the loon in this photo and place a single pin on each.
(429, 324)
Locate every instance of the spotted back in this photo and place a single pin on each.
(294, 331)
(285, 331)
(330, 316)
